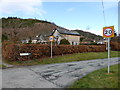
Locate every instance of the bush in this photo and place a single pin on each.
(4, 37)
(12, 51)
(64, 42)
(115, 46)
(93, 43)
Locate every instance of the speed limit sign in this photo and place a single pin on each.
(108, 32)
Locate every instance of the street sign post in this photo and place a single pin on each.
(51, 39)
(108, 32)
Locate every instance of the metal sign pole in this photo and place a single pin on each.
(108, 55)
(51, 49)
(108, 32)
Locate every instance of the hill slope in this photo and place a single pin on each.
(17, 29)
(89, 35)
(24, 28)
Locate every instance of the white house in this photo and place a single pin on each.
(25, 40)
(40, 39)
(72, 36)
(103, 41)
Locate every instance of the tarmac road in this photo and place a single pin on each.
(51, 76)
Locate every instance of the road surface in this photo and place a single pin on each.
(51, 76)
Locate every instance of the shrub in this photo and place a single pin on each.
(4, 37)
(115, 46)
(65, 42)
(93, 43)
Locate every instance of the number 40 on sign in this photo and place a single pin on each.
(108, 31)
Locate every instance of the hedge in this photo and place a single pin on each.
(12, 51)
(115, 46)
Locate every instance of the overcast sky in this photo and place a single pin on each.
(81, 15)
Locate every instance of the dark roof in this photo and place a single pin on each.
(67, 32)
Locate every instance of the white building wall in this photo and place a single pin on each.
(34, 41)
(74, 40)
(56, 33)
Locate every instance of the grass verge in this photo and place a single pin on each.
(2, 66)
(66, 58)
(99, 79)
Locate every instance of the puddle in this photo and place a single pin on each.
(78, 68)
(48, 71)
(71, 64)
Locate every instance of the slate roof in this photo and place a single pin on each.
(67, 32)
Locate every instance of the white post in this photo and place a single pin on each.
(108, 55)
(106, 45)
(51, 49)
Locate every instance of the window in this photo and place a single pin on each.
(72, 43)
(76, 43)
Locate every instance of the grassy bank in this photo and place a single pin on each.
(99, 79)
(2, 66)
(67, 58)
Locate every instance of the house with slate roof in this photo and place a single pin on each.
(72, 36)
(40, 39)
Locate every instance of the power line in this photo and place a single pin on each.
(104, 13)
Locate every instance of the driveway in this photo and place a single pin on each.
(51, 76)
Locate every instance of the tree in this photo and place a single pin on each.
(81, 39)
(115, 38)
(4, 37)
(65, 42)
(115, 33)
(30, 40)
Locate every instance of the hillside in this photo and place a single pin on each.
(89, 36)
(16, 29)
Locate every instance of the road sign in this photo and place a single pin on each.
(108, 31)
(51, 38)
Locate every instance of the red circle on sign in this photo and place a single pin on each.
(107, 31)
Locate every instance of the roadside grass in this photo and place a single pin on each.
(66, 58)
(98, 79)
(2, 66)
